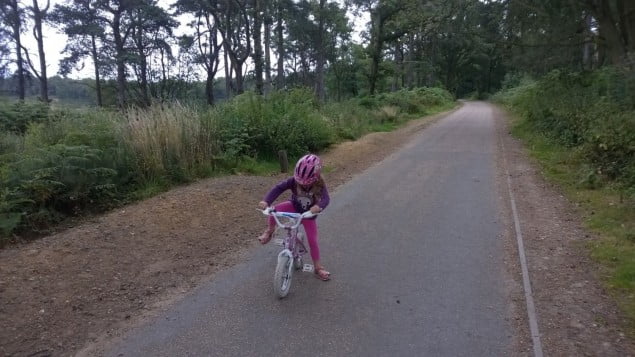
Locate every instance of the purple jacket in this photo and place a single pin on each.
(302, 201)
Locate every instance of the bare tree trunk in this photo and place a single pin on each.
(120, 60)
(408, 68)
(38, 16)
(97, 77)
(228, 76)
(212, 65)
(609, 31)
(627, 19)
(257, 55)
(399, 66)
(586, 49)
(16, 24)
(237, 51)
(143, 68)
(375, 55)
(209, 87)
(280, 44)
(240, 82)
(320, 91)
(267, 18)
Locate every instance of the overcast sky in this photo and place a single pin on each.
(55, 41)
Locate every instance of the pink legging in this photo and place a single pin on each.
(310, 227)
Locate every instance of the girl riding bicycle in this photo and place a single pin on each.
(308, 193)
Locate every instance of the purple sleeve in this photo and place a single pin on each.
(278, 189)
(324, 201)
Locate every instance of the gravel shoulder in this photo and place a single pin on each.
(576, 315)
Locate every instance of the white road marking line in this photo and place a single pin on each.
(531, 309)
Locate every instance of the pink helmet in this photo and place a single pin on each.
(307, 170)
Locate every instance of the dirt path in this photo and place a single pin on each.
(106, 274)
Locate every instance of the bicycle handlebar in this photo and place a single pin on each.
(296, 218)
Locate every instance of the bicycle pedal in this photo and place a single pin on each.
(308, 268)
(278, 241)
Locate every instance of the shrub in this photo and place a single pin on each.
(593, 112)
(16, 117)
(56, 162)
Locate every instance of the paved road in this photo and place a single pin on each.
(416, 256)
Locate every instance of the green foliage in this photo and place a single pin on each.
(289, 121)
(16, 117)
(608, 213)
(69, 161)
(591, 112)
(382, 112)
(581, 127)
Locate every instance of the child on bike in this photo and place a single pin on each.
(308, 193)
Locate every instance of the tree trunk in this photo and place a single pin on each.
(38, 16)
(320, 91)
(97, 78)
(209, 87)
(587, 47)
(143, 68)
(14, 18)
(228, 76)
(627, 19)
(212, 65)
(609, 32)
(267, 36)
(280, 44)
(257, 55)
(238, 67)
(120, 60)
(376, 41)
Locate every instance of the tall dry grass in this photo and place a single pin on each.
(170, 140)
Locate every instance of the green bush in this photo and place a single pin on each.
(593, 112)
(16, 117)
(57, 162)
(250, 124)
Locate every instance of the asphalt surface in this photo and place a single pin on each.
(415, 250)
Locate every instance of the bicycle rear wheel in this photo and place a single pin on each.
(282, 276)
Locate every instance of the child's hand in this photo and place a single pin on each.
(262, 204)
(316, 209)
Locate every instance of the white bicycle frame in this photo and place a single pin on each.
(295, 219)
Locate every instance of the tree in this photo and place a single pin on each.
(257, 55)
(117, 15)
(80, 21)
(5, 54)
(382, 13)
(281, 6)
(314, 29)
(39, 15)
(616, 20)
(13, 16)
(204, 40)
(321, 56)
(235, 29)
(268, 21)
(151, 29)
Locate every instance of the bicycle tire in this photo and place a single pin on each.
(282, 277)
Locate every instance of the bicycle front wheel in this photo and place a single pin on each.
(282, 276)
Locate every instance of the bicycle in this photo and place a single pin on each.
(294, 248)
